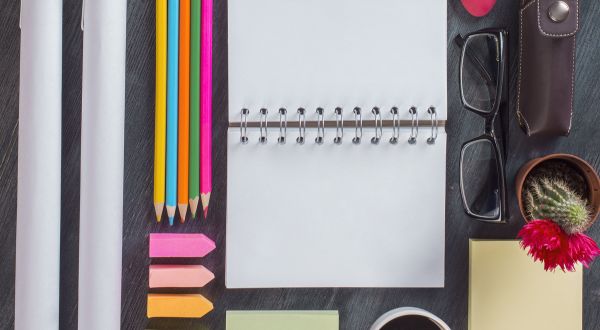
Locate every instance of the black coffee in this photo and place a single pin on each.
(411, 322)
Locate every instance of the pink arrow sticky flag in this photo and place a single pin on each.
(180, 245)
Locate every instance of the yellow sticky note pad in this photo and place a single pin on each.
(178, 305)
(508, 290)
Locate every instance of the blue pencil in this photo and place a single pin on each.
(172, 106)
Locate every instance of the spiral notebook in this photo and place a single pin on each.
(336, 143)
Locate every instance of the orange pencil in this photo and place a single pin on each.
(184, 109)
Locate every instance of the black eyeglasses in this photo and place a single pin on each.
(482, 77)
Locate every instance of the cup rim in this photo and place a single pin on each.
(406, 311)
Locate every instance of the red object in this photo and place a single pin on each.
(478, 8)
(547, 242)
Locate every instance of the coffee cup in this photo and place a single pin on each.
(409, 318)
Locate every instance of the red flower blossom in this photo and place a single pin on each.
(548, 242)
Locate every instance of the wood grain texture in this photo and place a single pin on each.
(358, 307)
(9, 131)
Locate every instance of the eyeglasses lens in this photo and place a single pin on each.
(480, 179)
(480, 71)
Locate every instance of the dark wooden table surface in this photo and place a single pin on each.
(358, 307)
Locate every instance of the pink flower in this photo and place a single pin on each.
(548, 242)
(583, 248)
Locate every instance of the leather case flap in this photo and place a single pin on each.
(549, 27)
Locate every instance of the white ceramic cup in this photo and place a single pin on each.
(407, 311)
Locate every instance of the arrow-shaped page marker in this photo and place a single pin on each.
(178, 305)
(179, 276)
(180, 245)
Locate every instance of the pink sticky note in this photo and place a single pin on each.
(179, 276)
(180, 245)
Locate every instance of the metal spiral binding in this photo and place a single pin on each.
(282, 126)
(244, 125)
(414, 125)
(378, 126)
(301, 125)
(264, 123)
(358, 126)
(339, 126)
(320, 126)
(395, 126)
(434, 125)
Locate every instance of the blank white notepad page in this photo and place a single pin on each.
(335, 215)
(329, 53)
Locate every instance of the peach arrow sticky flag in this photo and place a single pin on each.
(179, 276)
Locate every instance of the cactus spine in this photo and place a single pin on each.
(552, 199)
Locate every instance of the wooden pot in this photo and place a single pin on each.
(588, 172)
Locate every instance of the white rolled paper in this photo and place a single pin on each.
(102, 148)
(37, 274)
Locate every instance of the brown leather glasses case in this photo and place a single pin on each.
(546, 81)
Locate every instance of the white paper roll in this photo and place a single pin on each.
(102, 148)
(37, 277)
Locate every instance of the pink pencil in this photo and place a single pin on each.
(206, 105)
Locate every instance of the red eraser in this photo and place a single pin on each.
(180, 245)
(478, 8)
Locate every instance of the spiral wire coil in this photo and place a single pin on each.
(339, 125)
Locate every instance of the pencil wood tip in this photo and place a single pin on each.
(194, 205)
(158, 208)
(205, 198)
(182, 212)
(205, 201)
(171, 211)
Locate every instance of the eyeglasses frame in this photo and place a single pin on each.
(490, 117)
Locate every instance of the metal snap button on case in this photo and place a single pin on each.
(559, 11)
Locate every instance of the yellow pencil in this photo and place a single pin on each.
(161, 108)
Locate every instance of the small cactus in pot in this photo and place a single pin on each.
(553, 199)
(559, 197)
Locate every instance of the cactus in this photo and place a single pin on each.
(552, 199)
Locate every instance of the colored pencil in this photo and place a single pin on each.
(172, 90)
(206, 106)
(184, 109)
(160, 117)
(194, 184)
(37, 248)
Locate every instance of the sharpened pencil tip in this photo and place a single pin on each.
(194, 205)
(171, 213)
(158, 208)
(182, 212)
(205, 201)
